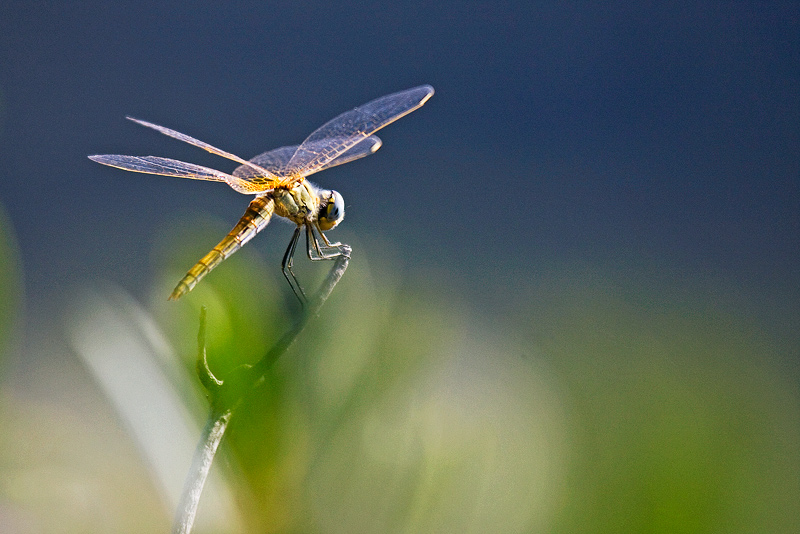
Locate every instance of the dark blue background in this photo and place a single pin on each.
(617, 134)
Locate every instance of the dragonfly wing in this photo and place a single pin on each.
(205, 146)
(339, 135)
(364, 148)
(276, 160)
(273, 161)
(173, 167)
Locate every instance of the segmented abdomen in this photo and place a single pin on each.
(253, 221)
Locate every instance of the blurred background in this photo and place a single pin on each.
(573, 299)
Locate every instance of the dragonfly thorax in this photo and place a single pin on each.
(305, 203)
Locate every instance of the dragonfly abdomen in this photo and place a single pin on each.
(257, 216)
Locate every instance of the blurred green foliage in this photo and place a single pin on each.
(599, 405)
(10, 283)
(586, 402)
(681, 416)
(244, 298)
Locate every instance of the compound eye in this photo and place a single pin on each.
(332, 212)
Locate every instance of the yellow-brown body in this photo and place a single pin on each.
(299, 204)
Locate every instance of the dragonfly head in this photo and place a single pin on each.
(331, 210)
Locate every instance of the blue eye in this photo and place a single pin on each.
(332, 213)
(335, 206)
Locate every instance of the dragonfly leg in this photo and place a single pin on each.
(286, 266)
(317, 251)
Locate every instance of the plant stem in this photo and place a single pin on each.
(226, 396)
(311, 309)
(201, 465)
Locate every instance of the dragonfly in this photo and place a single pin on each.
(277, 178)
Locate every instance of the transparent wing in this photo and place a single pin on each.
(173, 167)
(276, 160)
(205, 146)
(364, 148)
(337, 136)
